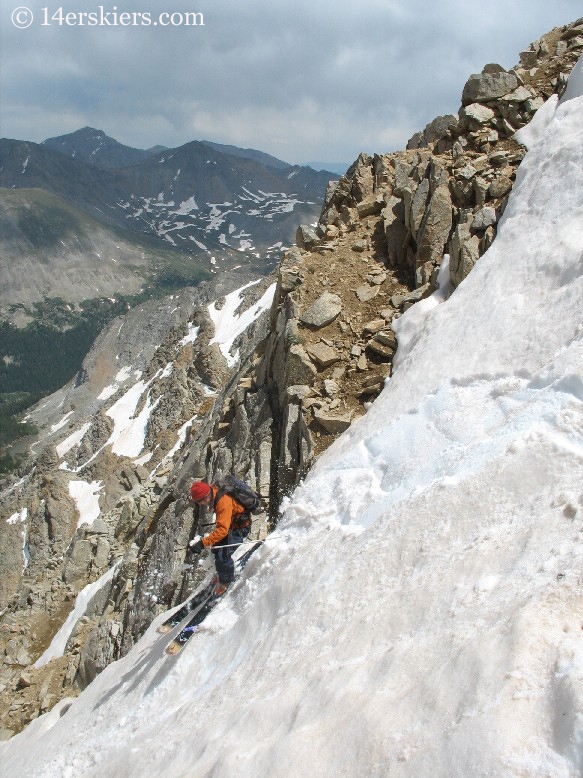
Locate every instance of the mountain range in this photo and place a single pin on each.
(210, 202)
(85, 221)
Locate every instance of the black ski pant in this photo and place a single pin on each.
(223, 561)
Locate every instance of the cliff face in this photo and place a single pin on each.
(164, 397)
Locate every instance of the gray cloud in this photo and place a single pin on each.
(312, 79)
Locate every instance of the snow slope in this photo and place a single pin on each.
(419, 611)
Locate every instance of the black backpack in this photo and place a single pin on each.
(244, 495)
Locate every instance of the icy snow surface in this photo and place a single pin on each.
(419, 612)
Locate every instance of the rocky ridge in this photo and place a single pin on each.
(306, 371)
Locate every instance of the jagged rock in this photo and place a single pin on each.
(212, 366)
(434, 131)
(290, 276)
(464, 252)
(399, 300)
(23, 658)
(331, 387)
(481, 186)
(478, 113)
(500, 187)
(78, 561)
(387, 338)
(362, 178)
(370, 207)
(101, 556)
(306, 237)
(367, 292)
(97, 652)
(128, 521)
(395, 231)
(99, 527)
(533, 104)
(323, 311)
(488, 86)
(299, 368)
(377, 277)
(484, 218)
(435, 228)
(372, 385)
(322, 354)
(416, 205)
(299, 393)
(360, 246)
(373, 326)
(403, 171)
(333, 424)
(498, 158)
(128, 478)
(519, 95)
(383, 344)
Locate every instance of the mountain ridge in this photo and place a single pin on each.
(306, 370)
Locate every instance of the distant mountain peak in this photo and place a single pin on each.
(96, 147)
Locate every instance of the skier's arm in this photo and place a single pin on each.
(224, 516)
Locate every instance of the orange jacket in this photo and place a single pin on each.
(225, 510)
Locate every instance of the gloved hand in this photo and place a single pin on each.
(196, 545)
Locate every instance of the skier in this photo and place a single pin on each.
(233, 522)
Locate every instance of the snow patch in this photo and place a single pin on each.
(86, 498)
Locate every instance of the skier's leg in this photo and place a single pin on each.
(223, 556)
(223, 562)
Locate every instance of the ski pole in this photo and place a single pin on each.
(244, 542)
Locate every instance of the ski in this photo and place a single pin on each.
(205, 604)
(191, 604)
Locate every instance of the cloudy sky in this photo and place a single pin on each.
(303, 80)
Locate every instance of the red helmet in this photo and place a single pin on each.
(199, 490)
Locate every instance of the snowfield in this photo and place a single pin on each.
(419, 611)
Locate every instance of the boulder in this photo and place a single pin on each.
(370, 207)
(488, 86)
(211, 366)
(299, 368)
(306, 236)
(399, 300)
(322, 354)
(500, 187)
(478, 113)
(331, 387)
(464, 252)
(367, 292)
(332, 423)
(360, 246)
(374, 326)
(78, 562)
(435, 227)
(395, 231)
(434, 131)
(323, 311)
(519, 95)
(484, 218)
